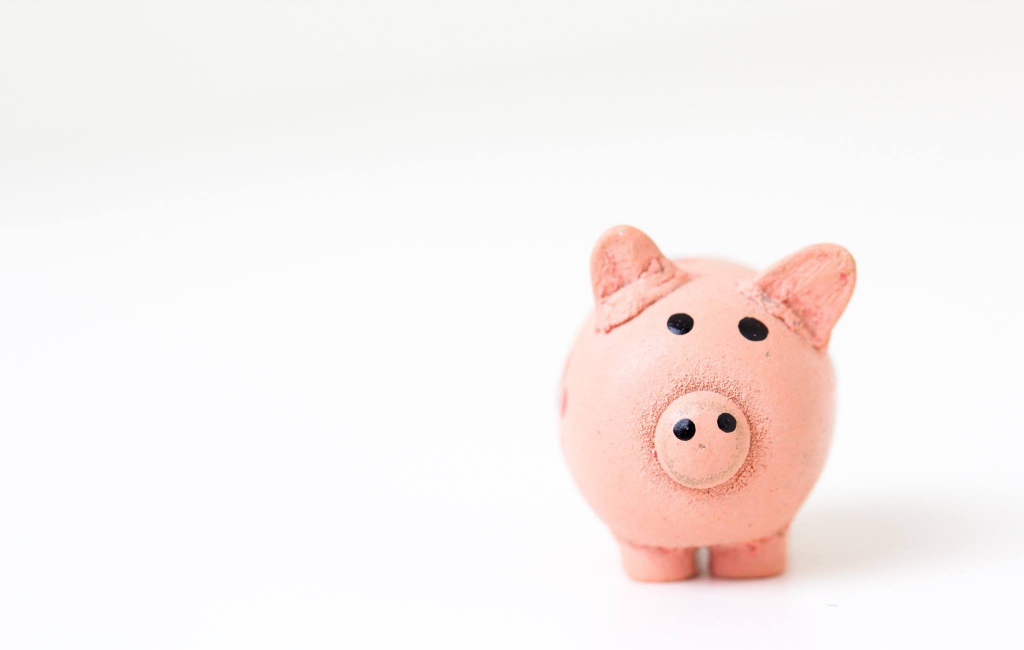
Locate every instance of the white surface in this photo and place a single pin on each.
(286, 289)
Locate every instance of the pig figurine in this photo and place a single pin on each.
(697, 402)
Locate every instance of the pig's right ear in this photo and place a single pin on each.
(629, 274)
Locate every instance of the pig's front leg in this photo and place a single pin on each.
(653, 564)
(757, 558)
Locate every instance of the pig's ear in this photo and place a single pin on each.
(629, 273)
(813, 285)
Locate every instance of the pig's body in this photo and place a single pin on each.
(743, 425)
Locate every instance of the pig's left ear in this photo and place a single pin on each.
(814, 285)
(629, 274)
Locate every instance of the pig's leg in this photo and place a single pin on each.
(652, 564)
(758, 558)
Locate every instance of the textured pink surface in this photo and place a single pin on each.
(629, 273)
(629, 379)
(810, 288)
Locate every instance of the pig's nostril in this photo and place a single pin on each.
(684, 429)
(726, 422)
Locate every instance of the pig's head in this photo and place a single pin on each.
(703, 372)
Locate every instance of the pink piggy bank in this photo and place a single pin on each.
(697, 402)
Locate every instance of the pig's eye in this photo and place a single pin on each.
(680, 323)
(753, 329)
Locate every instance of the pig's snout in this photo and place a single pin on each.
(702, 439)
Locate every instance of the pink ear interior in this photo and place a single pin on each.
(814, 284)
(629, 274)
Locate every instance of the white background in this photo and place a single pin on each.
(286, 288)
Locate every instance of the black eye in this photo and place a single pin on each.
(680, 323)
(753, 329)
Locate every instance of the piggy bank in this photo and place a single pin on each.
(697, 402)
